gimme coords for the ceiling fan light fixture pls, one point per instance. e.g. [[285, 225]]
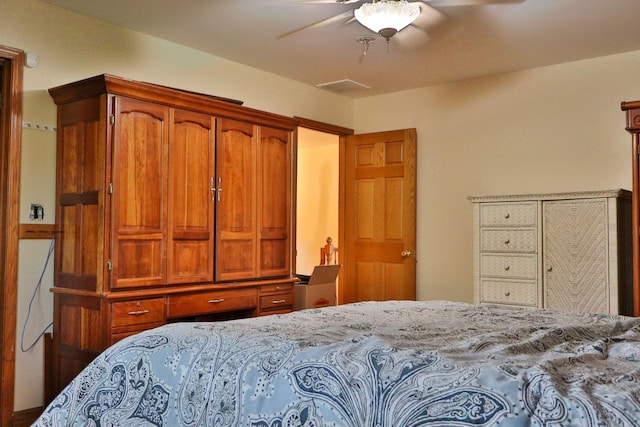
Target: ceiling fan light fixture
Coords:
[[388, 16], [387, 33]]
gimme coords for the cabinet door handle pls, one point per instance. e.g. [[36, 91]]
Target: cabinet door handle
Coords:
[[506, 294], [279, 301], [216, 191], [215, 301], [137, 313]]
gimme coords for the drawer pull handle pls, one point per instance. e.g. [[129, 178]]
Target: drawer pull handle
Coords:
[[507, 268], [549, 268], [506, 294], [506, 216], [215, 301], [279, 301], [137, 313], [506, 242]]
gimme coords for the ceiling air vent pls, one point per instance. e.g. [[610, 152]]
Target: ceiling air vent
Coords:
[[345, 85]]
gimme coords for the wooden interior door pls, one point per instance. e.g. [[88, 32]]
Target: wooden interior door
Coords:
[[378, 246]]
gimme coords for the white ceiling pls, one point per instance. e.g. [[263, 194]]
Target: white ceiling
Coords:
[[462, 41]]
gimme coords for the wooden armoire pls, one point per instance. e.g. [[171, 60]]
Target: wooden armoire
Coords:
[[171, 206], [632, 111]]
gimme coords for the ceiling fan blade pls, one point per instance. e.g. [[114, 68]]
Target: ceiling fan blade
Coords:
[[328, 1], [411, 37], [445, 3], [429, 18], [420, 31], [346, 16]]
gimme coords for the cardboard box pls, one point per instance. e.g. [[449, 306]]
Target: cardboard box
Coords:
[[321, 289]]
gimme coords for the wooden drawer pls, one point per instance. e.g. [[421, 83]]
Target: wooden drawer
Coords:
[[185, 305], [509, 266], [509, 292], [137, 312], [276, 288], [508, 214], [275, 302], [508, 240], [283, 310], [123, 332]]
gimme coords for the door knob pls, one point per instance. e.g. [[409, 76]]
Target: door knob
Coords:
[[405, 253]]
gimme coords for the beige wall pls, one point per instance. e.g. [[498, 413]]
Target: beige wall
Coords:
[[317, 209], [557, 128]]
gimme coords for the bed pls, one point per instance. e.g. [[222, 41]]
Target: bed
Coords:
[[393, 363]]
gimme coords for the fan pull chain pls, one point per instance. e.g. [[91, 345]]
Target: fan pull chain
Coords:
[[365, 41]]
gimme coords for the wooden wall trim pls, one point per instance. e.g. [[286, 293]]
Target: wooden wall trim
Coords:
[[323, 127], [36, 231], [10, 142]]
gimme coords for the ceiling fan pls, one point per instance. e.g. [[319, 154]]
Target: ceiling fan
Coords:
[[389, 17]]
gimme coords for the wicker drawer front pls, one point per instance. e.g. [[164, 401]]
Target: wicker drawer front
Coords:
[[508, 240], [185, 305], [507, 292], [508, 266], [508, 214], [137, 312]]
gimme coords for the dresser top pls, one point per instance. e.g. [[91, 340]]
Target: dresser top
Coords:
[[625, 194]]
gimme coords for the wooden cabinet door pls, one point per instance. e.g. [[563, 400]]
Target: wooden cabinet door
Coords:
[[191, 183], [80, 186], [139, 195], [274, 201], [236, 236]]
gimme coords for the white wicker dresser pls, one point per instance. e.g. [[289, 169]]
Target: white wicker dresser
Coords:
[[565, 251]]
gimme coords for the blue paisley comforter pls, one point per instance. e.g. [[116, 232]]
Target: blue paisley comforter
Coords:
[[386, 364]]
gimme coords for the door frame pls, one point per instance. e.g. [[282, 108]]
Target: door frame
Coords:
[[10, 146], [340, 132]]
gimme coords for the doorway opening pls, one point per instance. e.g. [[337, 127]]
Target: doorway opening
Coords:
[[319, 137], [317, 196]]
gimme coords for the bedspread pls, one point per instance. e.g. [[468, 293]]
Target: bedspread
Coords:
[[394, 363]]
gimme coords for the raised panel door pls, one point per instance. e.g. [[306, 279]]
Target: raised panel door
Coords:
[[236, 234], [80, 168], [191, 166], [139, 196], [380, 213], [274, 201]]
